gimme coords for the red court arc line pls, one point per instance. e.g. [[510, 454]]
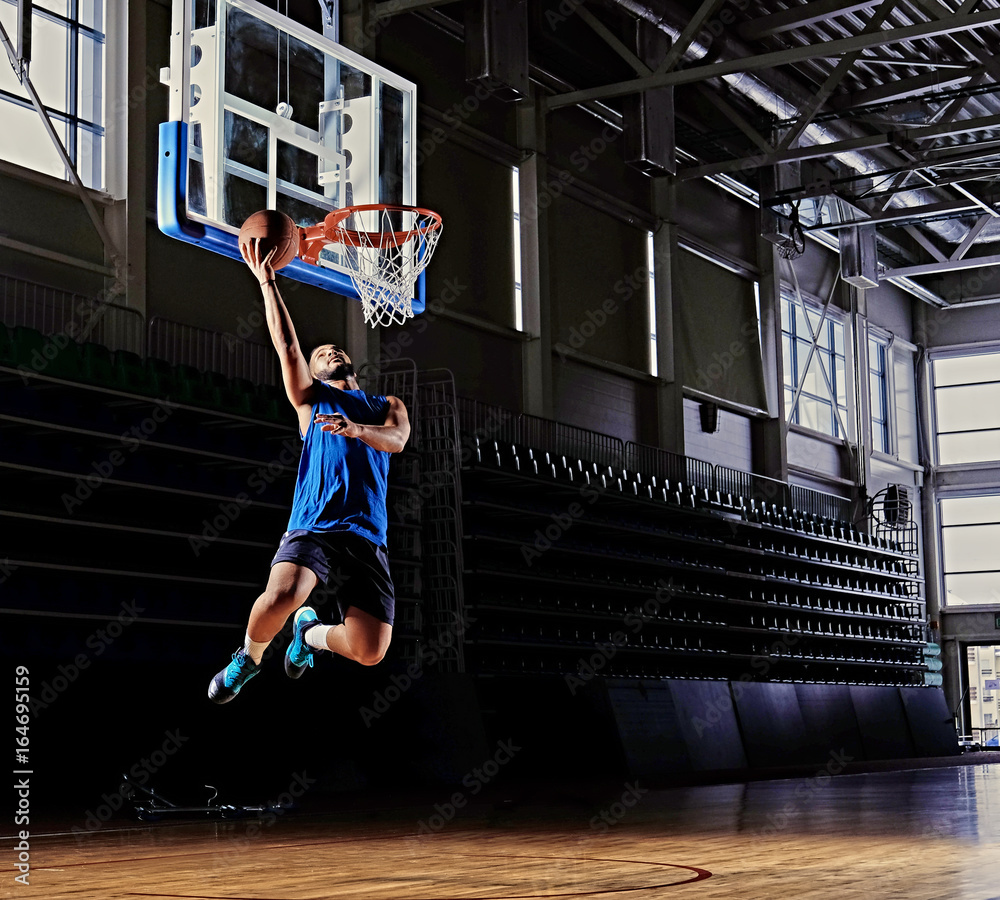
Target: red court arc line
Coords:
[[700, 875]]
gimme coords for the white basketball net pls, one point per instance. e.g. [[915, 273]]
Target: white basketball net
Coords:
[[385, 251]]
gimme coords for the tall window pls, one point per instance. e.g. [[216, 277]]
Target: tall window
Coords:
[[67, 70], [967, 408], [878, 389], [821, 372], [970, 535], [518, 305], [651, 304]]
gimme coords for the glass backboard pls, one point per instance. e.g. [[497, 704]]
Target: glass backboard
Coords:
[[267, 113]]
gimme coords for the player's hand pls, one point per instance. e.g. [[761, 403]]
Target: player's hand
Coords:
[[337, 424], [260, 267]]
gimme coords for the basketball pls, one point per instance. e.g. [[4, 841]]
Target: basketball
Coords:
[[274, 229]]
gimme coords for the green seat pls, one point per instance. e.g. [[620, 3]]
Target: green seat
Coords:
[[6, 346], [165, 380], [131, 374], [56, 356], [98, 365], [238, 395], [199, 390]]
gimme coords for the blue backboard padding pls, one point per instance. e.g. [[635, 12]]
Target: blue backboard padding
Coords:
[[171, 212]]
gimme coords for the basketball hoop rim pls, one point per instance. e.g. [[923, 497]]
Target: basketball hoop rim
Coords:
[[335, 231]]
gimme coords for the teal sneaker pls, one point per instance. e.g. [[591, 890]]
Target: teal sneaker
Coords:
[[299, 656], [228, 682]]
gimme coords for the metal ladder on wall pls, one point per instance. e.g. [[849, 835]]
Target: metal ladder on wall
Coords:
[[440, 502], [405, 535]]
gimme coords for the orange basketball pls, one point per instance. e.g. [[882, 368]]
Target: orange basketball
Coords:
[[274, 229]]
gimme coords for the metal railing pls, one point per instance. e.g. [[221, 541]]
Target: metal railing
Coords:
[[669, 467], [752, 487], [81, 318], [986, 737], [820, 503], [484, 420], [212, 351]]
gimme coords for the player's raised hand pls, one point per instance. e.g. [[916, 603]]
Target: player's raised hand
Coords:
[[337, 424], [260, 267]]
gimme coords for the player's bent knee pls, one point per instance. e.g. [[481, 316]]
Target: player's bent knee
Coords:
[[371, 657]]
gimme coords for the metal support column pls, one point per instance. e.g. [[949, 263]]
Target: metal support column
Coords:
[[670, 384], [535, 296]]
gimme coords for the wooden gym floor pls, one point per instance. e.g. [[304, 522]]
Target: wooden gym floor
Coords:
[[924, 834]]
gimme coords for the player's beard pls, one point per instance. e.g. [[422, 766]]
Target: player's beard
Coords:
[[339, 372]]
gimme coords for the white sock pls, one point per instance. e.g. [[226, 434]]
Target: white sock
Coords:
[[255, 649], [316, 636]]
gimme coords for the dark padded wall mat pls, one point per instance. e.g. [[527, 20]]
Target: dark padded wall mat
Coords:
[[773, 731], [931, 723], [649, 729], [884, 730], [708, 722]]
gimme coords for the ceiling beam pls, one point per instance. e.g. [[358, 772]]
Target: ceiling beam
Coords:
[[690, 32], [897, 215], [609, 38], [949, 265], [924, 242], [388, 8], [903, 88], [807, 112], [904, 136], [948, 25], [797, 16], [970, 238], [730, 113]]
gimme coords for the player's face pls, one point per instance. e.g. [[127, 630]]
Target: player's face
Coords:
[[330, 363]]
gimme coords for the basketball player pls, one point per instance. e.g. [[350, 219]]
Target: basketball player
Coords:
[[338, 520]]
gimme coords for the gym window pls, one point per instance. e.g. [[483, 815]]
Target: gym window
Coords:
[[878, 391], [518, 296], [821, 373], [967, 408], [970, 534], [67, 70]]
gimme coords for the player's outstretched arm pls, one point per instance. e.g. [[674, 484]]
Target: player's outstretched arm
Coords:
[[390, 437], [294, 366]]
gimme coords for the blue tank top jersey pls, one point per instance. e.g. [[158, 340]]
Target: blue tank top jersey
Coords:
[[341, 483]]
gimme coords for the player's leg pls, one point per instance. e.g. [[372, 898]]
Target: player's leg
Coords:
[[360, 637], [367, 611], [288, 587]]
